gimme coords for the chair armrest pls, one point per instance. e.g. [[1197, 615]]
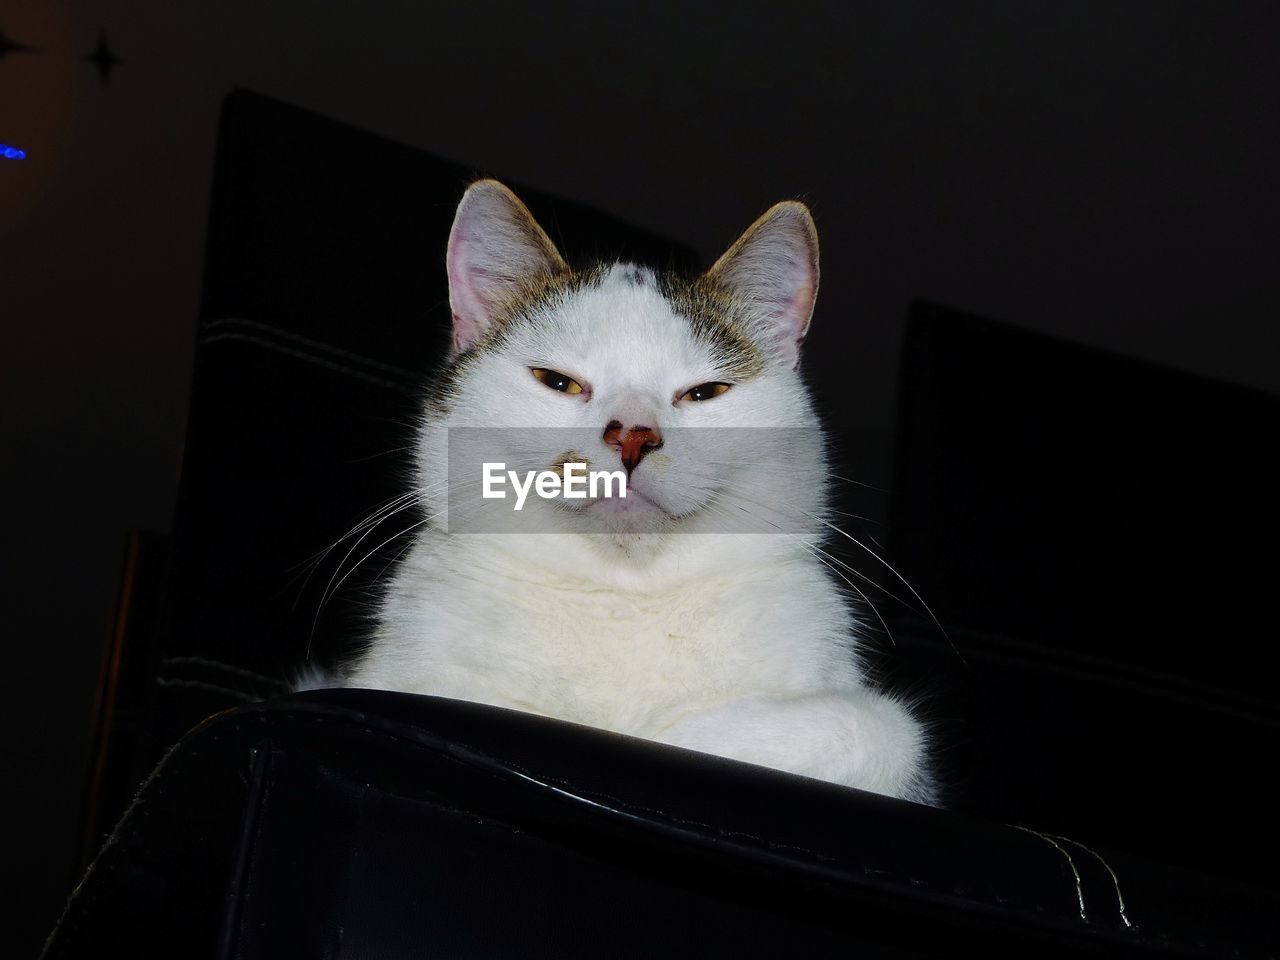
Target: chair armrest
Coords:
[[352, 822]]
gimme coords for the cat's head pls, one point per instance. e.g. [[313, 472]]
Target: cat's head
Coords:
[[688, 386]]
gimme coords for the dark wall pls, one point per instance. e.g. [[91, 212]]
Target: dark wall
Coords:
[[1100, 171]]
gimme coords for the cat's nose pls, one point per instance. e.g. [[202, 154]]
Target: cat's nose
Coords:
[[632, 442]]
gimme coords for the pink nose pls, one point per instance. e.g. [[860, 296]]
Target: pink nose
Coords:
[[632, 442]]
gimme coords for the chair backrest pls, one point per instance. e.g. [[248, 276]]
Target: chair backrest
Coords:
[[1095, 532], [325, 308], [1059, 493]]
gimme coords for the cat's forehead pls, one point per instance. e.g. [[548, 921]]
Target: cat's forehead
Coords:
[[625, 315], [621, 306]]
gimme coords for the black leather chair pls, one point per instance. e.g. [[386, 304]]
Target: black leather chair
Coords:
[[355, 823], [361, 823]]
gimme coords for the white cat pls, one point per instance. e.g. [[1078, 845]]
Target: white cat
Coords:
[[695, 611]]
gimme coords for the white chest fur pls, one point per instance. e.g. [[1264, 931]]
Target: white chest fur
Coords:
[[466, 620]]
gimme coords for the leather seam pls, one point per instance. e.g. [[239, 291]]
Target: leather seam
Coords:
[[228, 668], [312, 343], [310, 358], [244, 696]]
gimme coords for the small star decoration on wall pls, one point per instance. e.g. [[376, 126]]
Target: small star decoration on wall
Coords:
[[103, 58], [8, 46]]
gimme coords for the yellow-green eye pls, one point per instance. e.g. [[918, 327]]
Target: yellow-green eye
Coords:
[[556, 380], [705, 391]]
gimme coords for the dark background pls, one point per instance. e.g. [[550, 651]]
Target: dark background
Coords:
[[1101, 172]]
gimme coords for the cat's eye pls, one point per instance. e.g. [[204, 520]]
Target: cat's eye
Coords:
[[705, 391], [556, 380]]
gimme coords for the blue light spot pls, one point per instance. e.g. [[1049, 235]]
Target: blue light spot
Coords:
[[12, 153]]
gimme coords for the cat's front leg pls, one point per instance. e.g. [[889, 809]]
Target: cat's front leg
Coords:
[[855, 736]]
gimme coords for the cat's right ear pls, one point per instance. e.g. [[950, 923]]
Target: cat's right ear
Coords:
[[496, 251]]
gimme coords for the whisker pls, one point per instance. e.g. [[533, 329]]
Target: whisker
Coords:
[[822, 557], [335, 587], [888, 566], [405, 505], [336, 582], [831, 526], [320, 554]]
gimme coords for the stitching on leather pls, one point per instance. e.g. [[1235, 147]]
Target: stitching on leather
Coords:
[[1070, 863], [242, 695], [228, 668], [234, 932], [1114, 879], [308, 341], [311, 358], [92, 883]]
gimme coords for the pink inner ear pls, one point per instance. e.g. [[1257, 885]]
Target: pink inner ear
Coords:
[[774, 266], [463, 336], [779, 275], [495, 249], [470, 306], [474, 291], [794, 311], [798, 316]]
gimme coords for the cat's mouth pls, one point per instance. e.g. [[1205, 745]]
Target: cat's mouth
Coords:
[[635, 502], [644, 508], [638, 512]]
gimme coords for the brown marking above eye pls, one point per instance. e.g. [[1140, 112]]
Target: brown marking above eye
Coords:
[[704, 391], [560, 382]]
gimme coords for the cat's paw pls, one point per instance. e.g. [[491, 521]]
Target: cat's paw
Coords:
[[855, 737]]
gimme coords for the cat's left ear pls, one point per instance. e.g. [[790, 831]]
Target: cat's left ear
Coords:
[[496, 252], [773, 269]]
